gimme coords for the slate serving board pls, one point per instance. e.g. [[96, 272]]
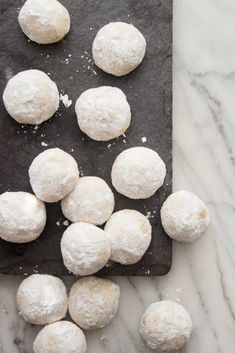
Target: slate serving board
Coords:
[[149, 92]]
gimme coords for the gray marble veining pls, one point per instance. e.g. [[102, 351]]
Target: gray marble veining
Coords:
[[202, 276]]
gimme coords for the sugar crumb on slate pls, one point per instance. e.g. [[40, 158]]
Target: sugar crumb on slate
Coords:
[[144, 139], [65, 100], [44, 144]]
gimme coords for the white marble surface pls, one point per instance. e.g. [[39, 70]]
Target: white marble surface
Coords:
[[202, 276]]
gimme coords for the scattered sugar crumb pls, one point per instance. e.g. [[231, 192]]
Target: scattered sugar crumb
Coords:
[[4, 308], [44, 144], [65, 100], [70, 55], [66, 223], [72, 150], [36, 127], [103, 337], [109, 145], [144, 139], [58, 223], [178, 290], [147, 272], [149, 215], [124, 141], [124, 135]]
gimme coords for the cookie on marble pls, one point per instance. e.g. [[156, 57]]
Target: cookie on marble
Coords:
[[184, 216], [42, 299], [118, 48], [93, 302], [31, 97], [138, 172], [130, 234], [91, 201], [44, 22], [53, 174], [166, 326], [22, 217], [60, 337], [85, 248], [103, 113]]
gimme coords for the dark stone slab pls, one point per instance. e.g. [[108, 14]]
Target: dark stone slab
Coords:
[[149, 92]]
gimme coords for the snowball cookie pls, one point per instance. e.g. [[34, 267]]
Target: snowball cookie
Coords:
[[93, 302], [184, 216], [129, 232], [138, 173], [53, 174], [22, 217], [60, 337], [31, 97], [44, 22], [103, 113], [166, 326], [92, 201], [118, 48], [42, 299], [85, 248]]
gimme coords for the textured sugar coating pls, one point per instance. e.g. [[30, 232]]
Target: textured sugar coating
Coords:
[[91, 201], [60, 337], [44, 23], [53, 174], [103, 113], [31, 97], [42, 299], [184, 216], [118, 48], [129, 232], [138, 172], [22, 217], [93, 302], [166, 326], [85, 248]]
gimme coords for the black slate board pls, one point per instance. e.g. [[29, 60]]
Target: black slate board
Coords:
[[149, 92]]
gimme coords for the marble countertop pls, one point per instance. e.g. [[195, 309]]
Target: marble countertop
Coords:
[[202, 275]]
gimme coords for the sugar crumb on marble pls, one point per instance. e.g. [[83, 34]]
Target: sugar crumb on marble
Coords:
[[103, 337], [66, 223], [4, 308]]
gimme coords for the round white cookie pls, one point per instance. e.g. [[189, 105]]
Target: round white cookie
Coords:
[[93, 302], [44, 22], [53, 174], [31, 97], [85, 248], [118, 48], [129, 232], [60, 337], [91, 201], [138, 173], [103, 113], [22, 217], [184, 216], [166, 326], [42, 299]]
